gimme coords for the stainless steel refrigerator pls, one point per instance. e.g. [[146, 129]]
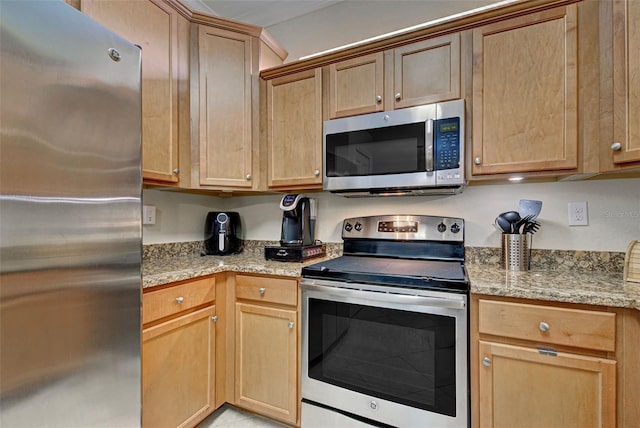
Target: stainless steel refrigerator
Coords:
[[70, 220]]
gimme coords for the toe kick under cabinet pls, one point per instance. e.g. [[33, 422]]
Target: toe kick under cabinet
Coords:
[[537, 364]]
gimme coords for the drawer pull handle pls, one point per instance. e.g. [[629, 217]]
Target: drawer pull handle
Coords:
[[486, 361], [262, 290], [550, 352], [179, 299], [291, 324], [214, 318], [544, 327]]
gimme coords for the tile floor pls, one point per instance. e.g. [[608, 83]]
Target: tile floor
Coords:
[[230, 417]]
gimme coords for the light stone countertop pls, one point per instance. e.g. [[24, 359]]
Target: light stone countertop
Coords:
[[587, 287], [166, 270]]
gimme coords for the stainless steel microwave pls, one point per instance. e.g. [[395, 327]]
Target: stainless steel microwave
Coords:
[[412, 151]]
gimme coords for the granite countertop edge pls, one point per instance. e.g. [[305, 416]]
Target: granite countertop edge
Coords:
[[582, 287]]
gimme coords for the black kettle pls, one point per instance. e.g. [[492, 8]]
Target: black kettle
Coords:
[[222, 233]]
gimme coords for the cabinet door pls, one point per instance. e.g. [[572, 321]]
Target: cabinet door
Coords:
[[356, 85], [225, 108], [626, 81], [522, 387], [153, 25], [266, 361], [525, 93], [178, 375], [426, 72], [294, 130]]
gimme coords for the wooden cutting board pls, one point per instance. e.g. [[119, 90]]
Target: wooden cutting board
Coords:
[[632, 262]]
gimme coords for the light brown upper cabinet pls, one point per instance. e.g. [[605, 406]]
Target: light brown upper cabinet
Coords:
[[227, 57], [424, 72], [525, 93], [225, 105], [294, 130], [625, 147], [418, 73], [356, 86], [158, 28]]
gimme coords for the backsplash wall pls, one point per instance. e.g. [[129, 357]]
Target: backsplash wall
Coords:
[[613, 205]]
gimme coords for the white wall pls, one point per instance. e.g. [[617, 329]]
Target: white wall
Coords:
[[354, 20], [614, 213], [179, 216]]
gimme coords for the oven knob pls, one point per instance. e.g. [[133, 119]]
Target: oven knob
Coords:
[[358, 226], [442, 228], [348, 227], [455, 228]]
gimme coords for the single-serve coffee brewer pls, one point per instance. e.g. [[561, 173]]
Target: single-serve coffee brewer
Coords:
[[297, 235], [296, 221]]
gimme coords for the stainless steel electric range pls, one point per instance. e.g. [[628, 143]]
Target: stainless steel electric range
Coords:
[[385, 326]]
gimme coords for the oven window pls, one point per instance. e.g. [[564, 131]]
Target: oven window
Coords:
[[391, 150], [404, 357]]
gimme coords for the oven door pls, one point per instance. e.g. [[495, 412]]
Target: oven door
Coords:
[[399, 359]]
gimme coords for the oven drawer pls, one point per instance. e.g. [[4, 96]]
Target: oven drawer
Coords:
[[173, 300], [561, 326], [270, 290]]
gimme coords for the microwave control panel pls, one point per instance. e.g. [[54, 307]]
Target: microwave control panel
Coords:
[[447, 143]]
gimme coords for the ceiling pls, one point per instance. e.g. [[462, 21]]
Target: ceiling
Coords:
[[263, 13]]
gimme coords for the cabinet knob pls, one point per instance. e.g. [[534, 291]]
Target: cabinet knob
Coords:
[[214, 318], [616, 146], [291, 324], [544, 327], [248, 177], [486, 361], [261, 290], [179, 299], [398, 96], [477, 160], [316, 172], [378, 98], [176, 171]]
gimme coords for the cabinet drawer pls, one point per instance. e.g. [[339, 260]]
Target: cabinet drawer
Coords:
[[172, 300], [561, 326], [261, 289]]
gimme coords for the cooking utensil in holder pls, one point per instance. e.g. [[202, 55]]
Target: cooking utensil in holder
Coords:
[[515, 252]]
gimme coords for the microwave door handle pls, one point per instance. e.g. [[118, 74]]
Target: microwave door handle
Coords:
[[428, 145]]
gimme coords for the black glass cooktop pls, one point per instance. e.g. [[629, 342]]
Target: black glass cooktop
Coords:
[[438, 274]]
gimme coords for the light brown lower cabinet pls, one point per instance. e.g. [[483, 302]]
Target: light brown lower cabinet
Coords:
[[178, 355], [539, 364], [266, 341], [526, 387]]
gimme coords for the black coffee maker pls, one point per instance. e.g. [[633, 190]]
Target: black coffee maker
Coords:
[[296, 221], [297, 236]]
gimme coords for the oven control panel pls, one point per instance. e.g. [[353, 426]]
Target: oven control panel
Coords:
[[404, 227]]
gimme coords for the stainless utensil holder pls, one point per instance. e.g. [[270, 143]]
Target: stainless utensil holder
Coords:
[[515, 252]]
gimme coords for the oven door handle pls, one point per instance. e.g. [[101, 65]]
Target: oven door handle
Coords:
[[435, 302]]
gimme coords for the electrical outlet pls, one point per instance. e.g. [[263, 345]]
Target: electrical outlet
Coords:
[[578, 214], [148, 214]]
